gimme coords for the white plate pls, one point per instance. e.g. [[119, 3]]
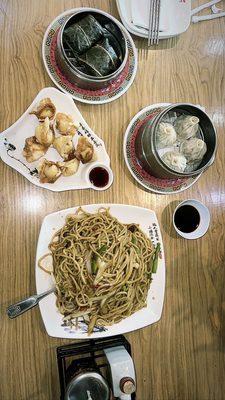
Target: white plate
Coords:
[[112, 92], [127, 214], [179, 18], [25, 126]]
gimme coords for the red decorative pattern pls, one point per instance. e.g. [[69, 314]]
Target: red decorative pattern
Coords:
[[174, 184], [112, 87]]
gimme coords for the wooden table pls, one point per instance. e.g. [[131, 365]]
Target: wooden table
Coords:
[[181, 356]]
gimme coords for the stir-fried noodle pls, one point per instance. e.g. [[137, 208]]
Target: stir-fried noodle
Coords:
[[102, 268]]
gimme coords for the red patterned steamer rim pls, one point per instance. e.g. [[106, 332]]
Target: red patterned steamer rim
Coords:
[[145, 177], [108, 91]]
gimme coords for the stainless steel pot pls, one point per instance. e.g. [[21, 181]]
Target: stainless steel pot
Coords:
[[145, 144], [73, 74], [88, 385]]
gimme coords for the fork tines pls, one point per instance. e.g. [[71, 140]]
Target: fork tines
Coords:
[[154, 13]]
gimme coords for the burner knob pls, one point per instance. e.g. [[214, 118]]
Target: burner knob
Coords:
[[127, 385]]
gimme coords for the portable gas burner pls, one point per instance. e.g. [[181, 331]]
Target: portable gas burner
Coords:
[[97, 369]]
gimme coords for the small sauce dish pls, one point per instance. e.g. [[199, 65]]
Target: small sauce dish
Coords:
[[99, 176], [191, 219]]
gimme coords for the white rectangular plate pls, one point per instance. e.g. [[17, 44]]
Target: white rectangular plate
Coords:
[[53, 320], [12, 141], [178, 17]]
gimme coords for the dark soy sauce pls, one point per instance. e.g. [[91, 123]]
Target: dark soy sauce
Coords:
[[187, 218], [99, 177]]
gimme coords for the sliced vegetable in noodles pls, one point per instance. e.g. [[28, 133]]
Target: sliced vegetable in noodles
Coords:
[[155, 259]]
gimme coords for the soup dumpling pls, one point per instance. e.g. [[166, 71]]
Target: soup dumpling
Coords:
[[175, 161], [165, 135], [186, 126], [193, 149]]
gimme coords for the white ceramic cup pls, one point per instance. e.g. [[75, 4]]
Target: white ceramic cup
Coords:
[[204, 219], [107, 168]]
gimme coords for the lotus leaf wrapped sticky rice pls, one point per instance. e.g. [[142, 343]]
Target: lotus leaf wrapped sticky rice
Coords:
[[83, 34], [100, 60]]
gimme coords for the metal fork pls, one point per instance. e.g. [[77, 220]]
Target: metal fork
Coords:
[[24, 305], [154, 13]]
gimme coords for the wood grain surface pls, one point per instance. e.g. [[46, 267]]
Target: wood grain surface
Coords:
[[182, 356]]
